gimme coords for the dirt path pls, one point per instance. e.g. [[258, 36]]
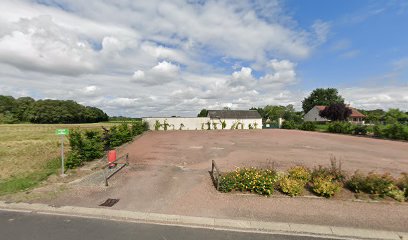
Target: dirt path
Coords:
[[168, 173]]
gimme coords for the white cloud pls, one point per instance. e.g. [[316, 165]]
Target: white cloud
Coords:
[[283, 73], [142, 58], [163, 72], [321, 29]]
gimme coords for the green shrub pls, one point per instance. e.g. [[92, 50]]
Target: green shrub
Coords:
[[138, 127], [255, 180], [92, 146], [340, 127], [325, 186], [395, 131], [299, 173], [396, 194], [334, 171], [403, 183], [73, 160], [373, 183], [291, 186], [289, 124], [360, 130], [223, 124], [157, 125], [308, 126], [356, 182], [377, 131]]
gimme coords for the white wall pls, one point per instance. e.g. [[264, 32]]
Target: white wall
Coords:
[[200, 123], [193, 123], [313, 116]]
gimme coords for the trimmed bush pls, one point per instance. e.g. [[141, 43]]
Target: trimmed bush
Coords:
[[360, 130], [255, 180], [325, 186], [340, 127], [308, 126], [291, 186], [289, 125]]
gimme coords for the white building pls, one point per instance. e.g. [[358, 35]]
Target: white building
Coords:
[[216, 119]]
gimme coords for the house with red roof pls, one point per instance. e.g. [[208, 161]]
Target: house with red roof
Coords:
[[313, 115]]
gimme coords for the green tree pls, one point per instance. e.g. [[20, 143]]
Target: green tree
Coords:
[[22, 108], [321, 96], [203, 113], [373, 116], [7, 104], [394, 115]]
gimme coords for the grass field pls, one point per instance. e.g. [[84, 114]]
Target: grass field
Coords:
[[29, 153]]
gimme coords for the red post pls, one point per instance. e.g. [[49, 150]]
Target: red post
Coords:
[[112, 158]]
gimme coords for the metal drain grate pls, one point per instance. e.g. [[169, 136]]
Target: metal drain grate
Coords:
[[109, 202]]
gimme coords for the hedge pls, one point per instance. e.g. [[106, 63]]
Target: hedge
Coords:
[[91, 144]]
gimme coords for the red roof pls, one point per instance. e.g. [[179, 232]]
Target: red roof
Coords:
[[354, 112]]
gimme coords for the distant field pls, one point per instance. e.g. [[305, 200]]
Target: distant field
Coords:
[[30, 152]]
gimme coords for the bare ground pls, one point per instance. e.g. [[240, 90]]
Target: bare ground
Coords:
[[168, 173]]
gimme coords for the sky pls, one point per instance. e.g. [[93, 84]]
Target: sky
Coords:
[[164, 58]]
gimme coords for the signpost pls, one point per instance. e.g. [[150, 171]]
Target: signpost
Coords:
[[62, 133]]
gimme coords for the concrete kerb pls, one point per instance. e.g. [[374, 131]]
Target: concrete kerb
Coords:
[[211, 223]]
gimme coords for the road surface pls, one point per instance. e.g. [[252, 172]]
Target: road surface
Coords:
[[31, 226]]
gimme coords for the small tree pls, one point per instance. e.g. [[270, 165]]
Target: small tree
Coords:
[[203, 113], [336, 112], [215, 125], [181, 126]]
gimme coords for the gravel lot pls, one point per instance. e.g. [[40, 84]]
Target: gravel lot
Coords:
[[168, 173]]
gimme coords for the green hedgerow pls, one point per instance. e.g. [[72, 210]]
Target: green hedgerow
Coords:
[[289, 124], [291, 186], [308, 126], [325, 186]]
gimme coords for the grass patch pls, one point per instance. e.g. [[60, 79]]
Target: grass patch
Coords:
[[26, 150], [22, 183]]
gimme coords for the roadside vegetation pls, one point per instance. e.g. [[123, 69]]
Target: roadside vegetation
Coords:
[[321, 181], [29, 153], [91, 144]]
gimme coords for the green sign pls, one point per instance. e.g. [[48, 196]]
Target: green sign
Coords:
[[62, 131]]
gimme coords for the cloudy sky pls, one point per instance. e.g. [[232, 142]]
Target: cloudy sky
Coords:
[[151, 58]]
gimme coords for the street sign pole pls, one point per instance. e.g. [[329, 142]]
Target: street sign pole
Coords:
[[62, 133], [62, 156]]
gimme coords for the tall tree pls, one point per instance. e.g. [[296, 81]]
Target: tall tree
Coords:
[[321, 96], [203, 113], [336, 112]]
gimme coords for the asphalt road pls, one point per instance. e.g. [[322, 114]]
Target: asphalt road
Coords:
[[31, 226]]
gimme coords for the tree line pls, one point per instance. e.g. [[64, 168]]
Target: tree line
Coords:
[[26, 109]]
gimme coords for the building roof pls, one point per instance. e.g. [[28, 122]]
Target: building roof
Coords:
[[234, 114], [354, 112]]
